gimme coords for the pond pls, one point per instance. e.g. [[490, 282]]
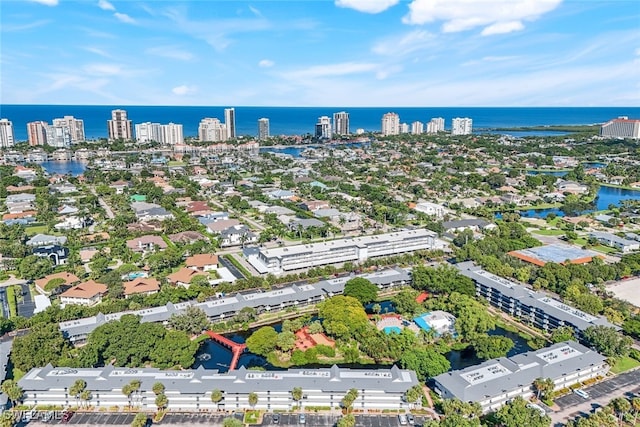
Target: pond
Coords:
[[73, 168]]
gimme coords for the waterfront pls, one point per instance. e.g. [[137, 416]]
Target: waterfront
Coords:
[[72, 167]]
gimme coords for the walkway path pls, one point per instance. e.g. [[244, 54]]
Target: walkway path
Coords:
[[236, 348]]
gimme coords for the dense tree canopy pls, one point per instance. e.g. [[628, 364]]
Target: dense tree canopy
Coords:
[[343, 316], [608, 341], [361, 289], [425, 361], [490, 347], [42, 345], [517, 414], [263, 341]]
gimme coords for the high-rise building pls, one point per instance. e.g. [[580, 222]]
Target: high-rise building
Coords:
[[148, 132], [37, 133], [435, 125], [6, 133], [76, 127], [230, 122], [461, 126], [323, 127], [263, 128], [172, 134], [119, 126], [211, 129], [417, 128], [341, 123], [390, 124], [58, 136], [622, 127]]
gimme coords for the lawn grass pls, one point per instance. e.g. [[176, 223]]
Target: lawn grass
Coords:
[[624, 364], [548, 232], [11, 300], [237, 265], [36, 229], [251, 417], [176, 163]]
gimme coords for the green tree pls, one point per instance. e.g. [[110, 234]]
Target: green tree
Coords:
[[621, 406], [426, 362], [140, 420], [43, 344], [516, 413], [361, 289], [544, 387], [77, 388], [414, 394], [158, 388], [286, 341], [348, 399], [562, 334], [296, 395], [347, 420], [86, 396], [608, 341], [491, 347], [343, 316], [253, 399], [193, 321], [216, 396], [13, 391], [162, 401], [263, 341], [33, 267], [405, 302]]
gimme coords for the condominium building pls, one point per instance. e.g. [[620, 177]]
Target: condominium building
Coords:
[[461, 126], [76, 127], [494, 382], [263, 129], [323, 127], [191, 389], [58, 136], [622, 127], [341, 123], [358, 249], [119, 126], [37, 133], [417, 128], [435, 125], [226, 306], [148, 132], [230, 122], [390, 124], [6, 133], [211, 129], [404, 128], [538, 308], [172, 134]]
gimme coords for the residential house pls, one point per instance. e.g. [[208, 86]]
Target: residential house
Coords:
[[150, 212], [280, 195], [572, 187], [146, 243], [186, 237], [202, 262], [56, 253], [620, 243], [184, 276], [141, 285], [69, 279], [217, 227], [431, 209], [86, 293], [314, 205], [120, 186], [45, 240], [63, 188], [237, 235], [475, 225]]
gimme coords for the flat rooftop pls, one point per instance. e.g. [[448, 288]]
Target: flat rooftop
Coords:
[[557, 253]]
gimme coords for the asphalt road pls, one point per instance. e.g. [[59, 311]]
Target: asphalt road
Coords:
[[600, 395], [27, 306], [232, 268], [3, 301]]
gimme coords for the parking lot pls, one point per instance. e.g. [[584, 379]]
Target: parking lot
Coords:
[[189, 419], [600, 395]]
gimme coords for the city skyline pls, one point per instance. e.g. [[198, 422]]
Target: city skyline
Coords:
[[422, 53]]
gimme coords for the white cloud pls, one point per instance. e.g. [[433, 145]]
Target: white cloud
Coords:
[[367, 6], [123, 17], [404, 44], [331, 70], [255, 11], [98, 51], [495, 16], [266, 63], [46, 2], [183, 90], [171, 52], [106, 5], [502, 28], [7, 28], [99, 69]]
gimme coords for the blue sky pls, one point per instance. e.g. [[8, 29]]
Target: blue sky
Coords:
[[321, 52]]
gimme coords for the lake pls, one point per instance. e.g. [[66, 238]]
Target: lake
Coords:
[[73, 167], [296, 150], [606, 196]]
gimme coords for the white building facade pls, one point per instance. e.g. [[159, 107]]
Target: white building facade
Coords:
[[435, 125], [211, 129], [6, 133], [75, 126], [230, 122], [341, 123], [323, 127], [622, 127], [119, 127], [461, 126], [390, 124], [263, 129], [417, 128]]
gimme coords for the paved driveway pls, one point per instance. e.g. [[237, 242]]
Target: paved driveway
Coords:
[[600, 394]]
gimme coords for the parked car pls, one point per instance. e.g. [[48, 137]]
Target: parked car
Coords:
[[402, 419], [66, 416], [302, 419], [581, 393], [276, 418], [410, 419]]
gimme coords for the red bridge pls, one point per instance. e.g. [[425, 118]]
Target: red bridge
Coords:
[[236, 349]]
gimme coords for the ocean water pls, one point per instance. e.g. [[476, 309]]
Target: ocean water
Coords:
[[301, 120]]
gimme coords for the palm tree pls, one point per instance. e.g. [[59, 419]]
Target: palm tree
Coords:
[[635, 405], [86, 396], [135, 386], [544, 387], [127, 390], [296, 394], [621, 405], [216, 396], [161, 401], [158, 388], [13, 391], [253, 399], [77, 388]]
